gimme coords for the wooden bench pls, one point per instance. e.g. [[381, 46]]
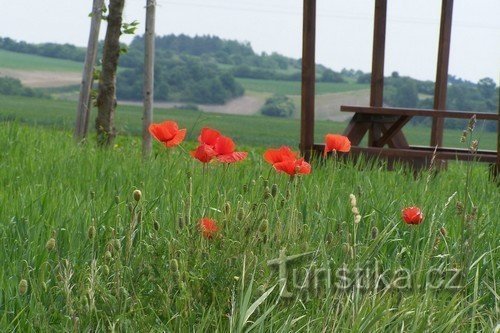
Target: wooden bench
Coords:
[[384, 125]]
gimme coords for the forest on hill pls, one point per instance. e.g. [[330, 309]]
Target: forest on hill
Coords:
[[206, 69]]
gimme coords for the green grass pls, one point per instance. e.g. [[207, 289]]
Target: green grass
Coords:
[[293, 87], [247, 130], [115, 264], [21, 61]]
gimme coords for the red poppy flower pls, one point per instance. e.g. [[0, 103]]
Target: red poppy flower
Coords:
[[208, 136], [208, 227], [204, 153], [281, 154], [167, 133], [214, 145], [412, 215], [335, 142], [224, 147], [293, 167]]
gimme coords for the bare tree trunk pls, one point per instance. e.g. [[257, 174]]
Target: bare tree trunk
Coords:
[[83, 110], [106, 100], [149, 64]]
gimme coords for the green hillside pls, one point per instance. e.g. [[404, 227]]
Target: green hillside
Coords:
[[248, 130], [22, 61]]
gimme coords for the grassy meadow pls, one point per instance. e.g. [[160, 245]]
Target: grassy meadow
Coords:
[[79, 253], [293, 87], [22, 61], [257, 130]]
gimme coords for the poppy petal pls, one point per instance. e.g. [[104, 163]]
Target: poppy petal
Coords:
[[224, 145], [178, 138], [281, 154], [203, 153], [209, 136], [232, 157], [337, 142]]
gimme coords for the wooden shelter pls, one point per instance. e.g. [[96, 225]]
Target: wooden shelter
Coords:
[[383, 125]]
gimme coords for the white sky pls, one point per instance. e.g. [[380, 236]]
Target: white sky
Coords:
[[344, 29]]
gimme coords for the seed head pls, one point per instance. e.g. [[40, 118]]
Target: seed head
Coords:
[[443, 231], [264, 225], [274, 190], [227, 208], [156, 225], [91, 232], [51, 244], [374, 232], [241, 214], [23, 287], [267, 193], [174, 266], [137, 195]]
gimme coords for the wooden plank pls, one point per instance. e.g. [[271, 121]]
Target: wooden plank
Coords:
[[441, 84], [355, 131], [308, 78], [392, 131], [378, 54], [418, 112], [411, 153]]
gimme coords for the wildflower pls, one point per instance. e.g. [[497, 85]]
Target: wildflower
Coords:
[[215, 145], [412, 215], [167, 133], [208, 227], [273, 156], [204, 153], [336, 142], [285, 160]]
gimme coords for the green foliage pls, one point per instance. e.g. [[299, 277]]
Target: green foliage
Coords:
[[278, 106], [331, 76], [116, 264], [13, 87], [293, 87], [51, 50]]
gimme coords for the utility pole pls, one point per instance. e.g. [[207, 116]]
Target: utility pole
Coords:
[[83, 109], [149, 64]]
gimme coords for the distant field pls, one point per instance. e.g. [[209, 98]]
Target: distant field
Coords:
[[14, 60], [293, 87], [247, 130]]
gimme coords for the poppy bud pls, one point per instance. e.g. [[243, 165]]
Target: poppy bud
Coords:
[[91, 232], [329, 237], [227, 208], [156, 225], [267, 193], [264, 225], [23, 287], [174, 266], [241, 214], [443, 231], [137, 195], [51, 244], [374, 232]]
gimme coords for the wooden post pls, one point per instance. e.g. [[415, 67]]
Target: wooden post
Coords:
[[441, 84], [83, 109], [378, 54], [308, 78], [149, 61]]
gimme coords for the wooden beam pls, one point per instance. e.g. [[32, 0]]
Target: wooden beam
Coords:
[[392, 131], [308, 78], [441, 84], [378, 54], [418, 112]]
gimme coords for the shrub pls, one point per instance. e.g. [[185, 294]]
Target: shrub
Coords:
[[278, 106]]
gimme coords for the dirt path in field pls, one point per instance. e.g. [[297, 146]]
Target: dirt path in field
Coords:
[[42, 79]]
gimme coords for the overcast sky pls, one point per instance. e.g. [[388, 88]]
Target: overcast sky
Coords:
[[344, 29]]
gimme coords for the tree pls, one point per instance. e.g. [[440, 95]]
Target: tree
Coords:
[[331, 76], [278, 106], [106, 99]]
